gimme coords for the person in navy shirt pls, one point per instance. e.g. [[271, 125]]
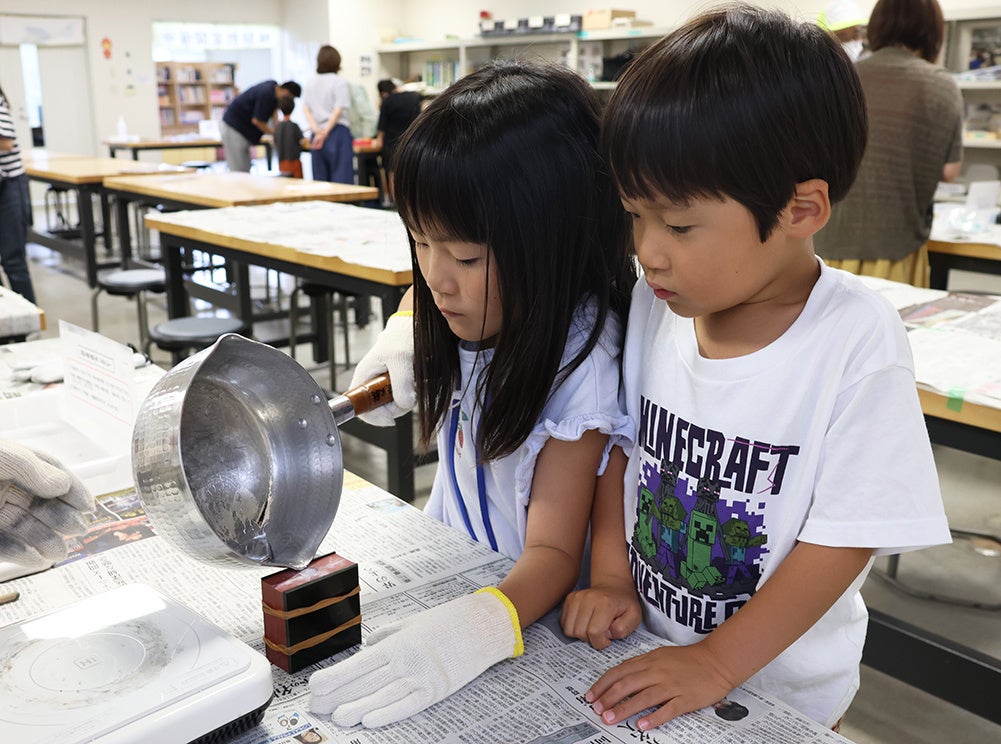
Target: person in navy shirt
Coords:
[[248, 117]]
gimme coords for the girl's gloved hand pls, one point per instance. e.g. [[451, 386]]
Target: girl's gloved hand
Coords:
[[409, 665], [41, 503], [393, 352]]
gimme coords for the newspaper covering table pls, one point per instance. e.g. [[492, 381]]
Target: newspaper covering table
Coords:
[[955, 338], [407, 562]]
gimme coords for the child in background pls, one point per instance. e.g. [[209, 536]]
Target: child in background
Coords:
[[781, 443], [521, 282], [288, 140]]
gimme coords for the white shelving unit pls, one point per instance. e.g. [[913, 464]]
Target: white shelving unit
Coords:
[[962, 30], [457, 57], [977, 143]]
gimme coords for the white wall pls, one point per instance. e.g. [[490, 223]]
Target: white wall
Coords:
[[128, 24], [353, 26], [355, 30]]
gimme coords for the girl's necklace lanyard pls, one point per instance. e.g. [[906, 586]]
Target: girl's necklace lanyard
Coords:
[[481, 487]]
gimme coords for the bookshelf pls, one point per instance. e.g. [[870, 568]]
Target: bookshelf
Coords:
[[188, 92]]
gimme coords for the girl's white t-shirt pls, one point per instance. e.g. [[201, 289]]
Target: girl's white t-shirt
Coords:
[[818, 437], [587, 399]]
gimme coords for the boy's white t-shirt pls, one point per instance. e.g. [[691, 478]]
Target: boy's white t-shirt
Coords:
[[818, 437], [587, 399]]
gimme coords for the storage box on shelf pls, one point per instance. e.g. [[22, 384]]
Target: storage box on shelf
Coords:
[[188, 92], [596, 20]]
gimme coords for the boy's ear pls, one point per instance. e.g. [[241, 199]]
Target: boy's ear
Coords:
[[810, 208]]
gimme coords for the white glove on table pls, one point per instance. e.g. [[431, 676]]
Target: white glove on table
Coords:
[[392, 352], [40, 503], [408, 665], [54, 370]]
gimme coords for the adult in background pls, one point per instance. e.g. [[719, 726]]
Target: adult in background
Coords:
[[15, 207], [915, 114], [326, 103], [248, 118], [845, 19], [398, 109]]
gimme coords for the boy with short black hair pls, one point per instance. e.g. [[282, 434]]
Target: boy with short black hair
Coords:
[[288, 139], [781, 443]]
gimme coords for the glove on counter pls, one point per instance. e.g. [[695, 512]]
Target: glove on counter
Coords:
[[408, 665], [392, 352], [40, 503]]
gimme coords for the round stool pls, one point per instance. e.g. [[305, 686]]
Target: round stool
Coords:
[[130, 283], [197, 164], [179, 335]]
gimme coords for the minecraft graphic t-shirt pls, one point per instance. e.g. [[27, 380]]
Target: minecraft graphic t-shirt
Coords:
[[817, 437]]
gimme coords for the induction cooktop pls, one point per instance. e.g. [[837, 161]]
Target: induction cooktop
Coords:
[[127, 665]]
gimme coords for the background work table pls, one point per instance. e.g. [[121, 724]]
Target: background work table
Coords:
[[212, 189], [83, 176], [956, 342], [349, 249]]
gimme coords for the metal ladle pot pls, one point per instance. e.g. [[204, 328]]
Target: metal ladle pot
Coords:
[[236, 454]]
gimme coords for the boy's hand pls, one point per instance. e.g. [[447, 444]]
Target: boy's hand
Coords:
[[601, 614], [679, 679]]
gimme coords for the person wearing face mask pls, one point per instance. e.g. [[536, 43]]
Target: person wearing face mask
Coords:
[[846, 21], [915, 112]]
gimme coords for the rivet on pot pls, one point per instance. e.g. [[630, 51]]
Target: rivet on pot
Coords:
[[316, 400], [331, 440], [303, 423]]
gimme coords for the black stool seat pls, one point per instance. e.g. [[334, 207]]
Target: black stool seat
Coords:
[[199, 164], [193, 332], [130, 281]]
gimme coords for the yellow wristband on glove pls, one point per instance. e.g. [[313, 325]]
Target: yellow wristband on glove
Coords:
[[519, 643]]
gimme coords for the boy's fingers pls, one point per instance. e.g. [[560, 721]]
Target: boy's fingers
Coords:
[[624, 624], [670, 710], [598, 634], [631, 706], [568, 617], [604, 684]]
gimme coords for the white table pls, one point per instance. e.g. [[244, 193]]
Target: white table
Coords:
[[407, 562]]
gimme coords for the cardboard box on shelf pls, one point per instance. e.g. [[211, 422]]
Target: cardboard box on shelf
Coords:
[[597, 20]]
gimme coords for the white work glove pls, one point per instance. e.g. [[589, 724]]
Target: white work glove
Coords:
[[54, 370], [393, 352], [408, 665], [40, 504]]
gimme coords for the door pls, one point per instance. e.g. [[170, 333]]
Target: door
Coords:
[[12, 82], [66, 105]]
